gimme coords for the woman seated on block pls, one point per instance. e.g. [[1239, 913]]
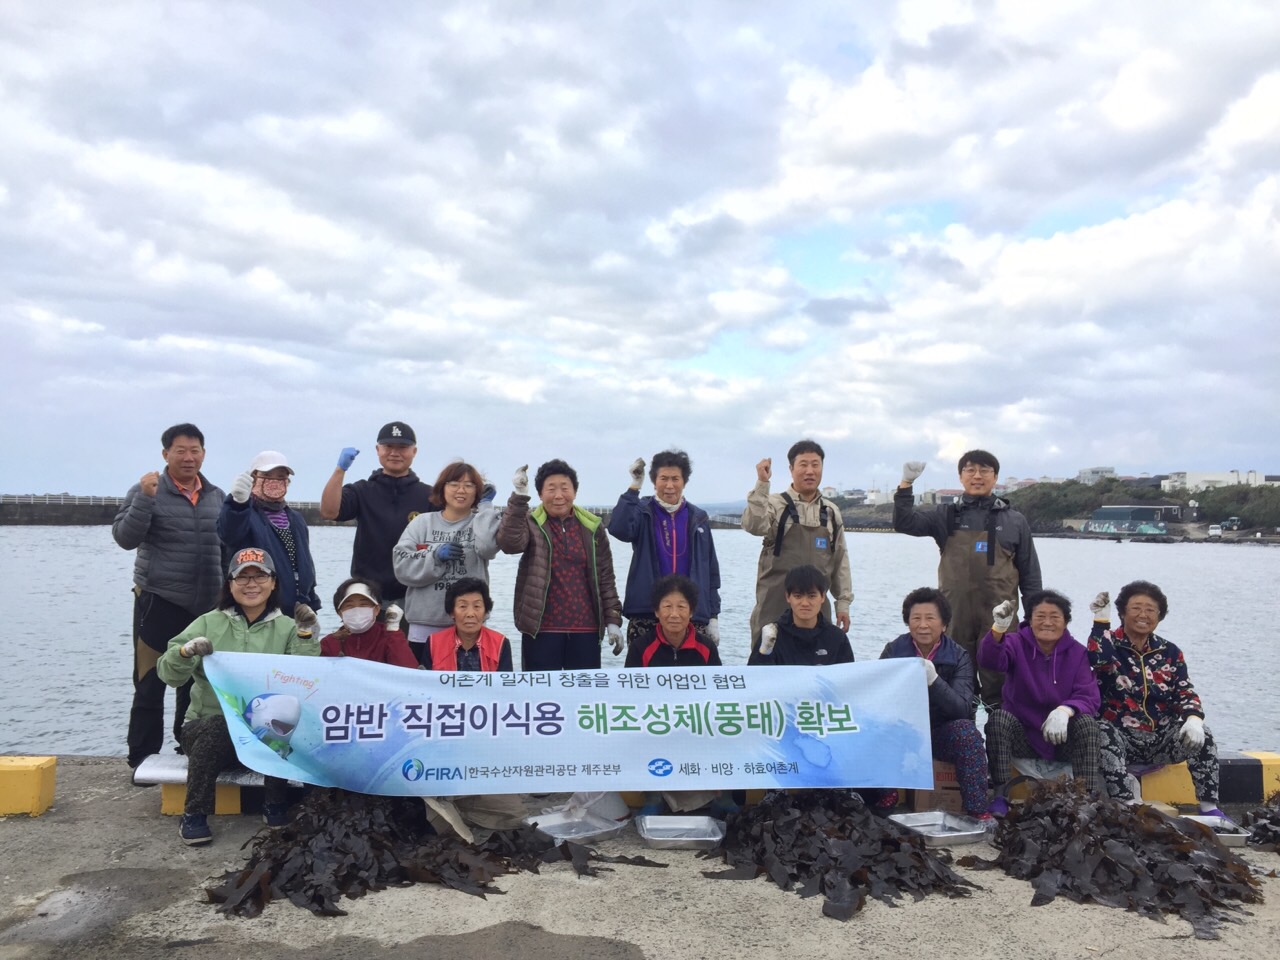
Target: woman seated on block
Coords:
[[248, 620], [673, 640], [803, 637], [1050, 696], [362, 634], [949, 673], [1150, 711], [469, 644]]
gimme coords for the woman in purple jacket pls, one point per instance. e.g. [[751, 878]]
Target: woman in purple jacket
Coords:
[[1050, 696]]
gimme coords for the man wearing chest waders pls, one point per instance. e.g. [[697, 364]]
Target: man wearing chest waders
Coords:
[[799, 527], [988, 555]]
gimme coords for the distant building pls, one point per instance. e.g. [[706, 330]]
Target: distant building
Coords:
[[1141, 518], [1193, 480], [1092, 475]]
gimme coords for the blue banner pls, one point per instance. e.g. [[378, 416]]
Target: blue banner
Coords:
[[380, 729]]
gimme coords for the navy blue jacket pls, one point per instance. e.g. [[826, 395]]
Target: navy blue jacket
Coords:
[[241, 525], [951, 695], [632, 522]]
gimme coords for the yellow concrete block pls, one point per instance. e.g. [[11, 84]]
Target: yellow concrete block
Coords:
[[633, 799], [26, 784], [1171, 784], [1270, 771], [173, 798]]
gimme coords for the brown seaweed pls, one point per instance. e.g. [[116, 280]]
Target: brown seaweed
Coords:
[[344, 844], [827, 842], [1071, 843], [1264, 825]]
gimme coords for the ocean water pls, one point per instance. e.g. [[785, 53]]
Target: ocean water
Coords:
[[65, 632]]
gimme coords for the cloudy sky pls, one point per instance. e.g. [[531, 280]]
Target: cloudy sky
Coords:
[[595, 230]]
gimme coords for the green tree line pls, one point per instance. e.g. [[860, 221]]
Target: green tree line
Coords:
[[1046, 505]]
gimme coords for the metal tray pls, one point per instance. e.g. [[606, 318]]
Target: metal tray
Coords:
[[683, 833], [579, 827], [941, 829], [1230, 833]]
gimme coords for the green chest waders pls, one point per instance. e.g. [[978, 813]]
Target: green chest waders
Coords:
[[975, 574], [792, 545]]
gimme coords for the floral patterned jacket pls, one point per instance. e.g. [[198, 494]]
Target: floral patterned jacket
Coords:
[[1141, 691]]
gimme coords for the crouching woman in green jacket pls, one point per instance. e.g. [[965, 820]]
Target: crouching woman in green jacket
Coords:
[[248, 620]]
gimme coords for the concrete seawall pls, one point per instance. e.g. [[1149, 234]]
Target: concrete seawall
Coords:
[[103, 875], [71, 511]]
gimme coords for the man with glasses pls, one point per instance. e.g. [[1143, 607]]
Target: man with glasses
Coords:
[[381, 506], [988, 555], [171, 518]]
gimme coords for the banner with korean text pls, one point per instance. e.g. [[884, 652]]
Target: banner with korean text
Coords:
[[381, 729]]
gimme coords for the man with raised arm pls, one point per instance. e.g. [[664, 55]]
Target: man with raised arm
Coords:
[[988, 555], [381, 506], [799, 527], [170, 517]]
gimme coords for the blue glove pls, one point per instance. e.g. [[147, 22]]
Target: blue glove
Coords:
[[448, 551], [347, 457], [489, 492]]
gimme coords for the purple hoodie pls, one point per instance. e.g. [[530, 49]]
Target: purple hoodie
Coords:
[[1034, 684]]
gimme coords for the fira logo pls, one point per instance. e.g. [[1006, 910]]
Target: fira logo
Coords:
[[414, 770], [660, 767]]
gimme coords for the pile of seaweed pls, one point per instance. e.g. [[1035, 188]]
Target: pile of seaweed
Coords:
[[1072, 843], [344, 844], [1264, 825], [827, 842]]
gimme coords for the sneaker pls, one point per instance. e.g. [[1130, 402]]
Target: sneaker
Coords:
[[275, 814], [1212, 812], [888, 801], [986, 819], [998, 807], [194, 829]]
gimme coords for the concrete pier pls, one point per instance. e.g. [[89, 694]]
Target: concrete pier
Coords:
[[103, 874]]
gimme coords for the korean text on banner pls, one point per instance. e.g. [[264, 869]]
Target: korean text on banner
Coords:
[[381, 729]]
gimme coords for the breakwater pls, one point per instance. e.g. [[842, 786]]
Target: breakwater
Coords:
[[66, 510]]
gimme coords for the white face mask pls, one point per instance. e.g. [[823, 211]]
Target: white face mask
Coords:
[[359, 619]]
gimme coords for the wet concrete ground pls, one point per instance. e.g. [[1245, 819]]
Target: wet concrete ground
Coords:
[[102, 874]]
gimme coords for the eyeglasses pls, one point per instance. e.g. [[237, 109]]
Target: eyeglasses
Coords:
[[243, 578], [460, 484], [972, 471]]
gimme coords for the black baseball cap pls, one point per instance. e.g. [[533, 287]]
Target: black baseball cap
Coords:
[[397, 433]]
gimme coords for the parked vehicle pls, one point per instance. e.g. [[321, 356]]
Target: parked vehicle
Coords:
[[1215, 531], [1232, 523]]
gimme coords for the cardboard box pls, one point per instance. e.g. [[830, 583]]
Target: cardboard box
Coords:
[[945, 794]]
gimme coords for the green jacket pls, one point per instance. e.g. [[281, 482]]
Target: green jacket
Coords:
[[227, 631]]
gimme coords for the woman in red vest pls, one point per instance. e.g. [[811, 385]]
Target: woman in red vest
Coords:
[[469, 644]]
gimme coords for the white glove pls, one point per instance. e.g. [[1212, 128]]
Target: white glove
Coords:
[[242, 487], [1099, 606], [1002, 617], [520, 482], [202, 647], [930, 671], [637, 473], [614, 633], [768, 637], [713, 631], [394, 616], [1193, 733], [305, 618], [1054, 727], [912, 469]]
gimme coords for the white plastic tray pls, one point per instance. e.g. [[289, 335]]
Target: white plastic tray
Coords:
[[941, 829], [580, 827], [685, 833]]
